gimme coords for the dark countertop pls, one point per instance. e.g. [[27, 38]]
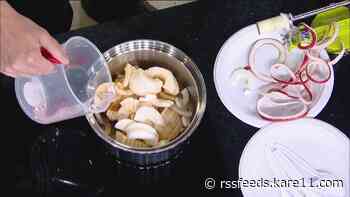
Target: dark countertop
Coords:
[[199, 29]]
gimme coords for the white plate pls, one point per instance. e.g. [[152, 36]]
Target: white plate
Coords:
[[323, 146], [234, 54]]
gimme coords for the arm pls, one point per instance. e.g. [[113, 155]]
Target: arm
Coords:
[[20, 42]]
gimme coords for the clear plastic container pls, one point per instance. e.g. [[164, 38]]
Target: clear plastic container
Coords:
[[69, 91]]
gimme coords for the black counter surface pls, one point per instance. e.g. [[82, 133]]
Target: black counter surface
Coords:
[[49, 157]]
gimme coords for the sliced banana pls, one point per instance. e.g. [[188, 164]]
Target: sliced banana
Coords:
[[183, 99], [123, 124], [104, 94], [183, 106], [119, 79], [121, 90], [108, 128], [141, 84], [152, 100], [130, 103], [172, 127], [166, 96], [122, 138], [129, 69], [128, 107], [148, 115], [163, 142], [143, 132], [171, 85], [185, 121], [137, 130], [182, 111], [112, 111], [140, 96]]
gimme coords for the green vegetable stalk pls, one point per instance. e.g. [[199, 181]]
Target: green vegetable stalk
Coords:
[[321, 24], [339, 15]]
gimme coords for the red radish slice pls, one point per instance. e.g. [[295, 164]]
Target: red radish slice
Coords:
[[313, 38], [277, 106], [260, 43]]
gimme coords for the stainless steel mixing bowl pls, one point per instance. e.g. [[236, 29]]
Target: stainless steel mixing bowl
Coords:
[[147, 53]]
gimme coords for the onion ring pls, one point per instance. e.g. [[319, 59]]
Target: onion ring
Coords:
[[279, 102], [292, 78], [318, 63], [313, 37], [291, 90], [262, 42]]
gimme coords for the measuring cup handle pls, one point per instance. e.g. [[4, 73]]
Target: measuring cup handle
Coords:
[[46, 54]]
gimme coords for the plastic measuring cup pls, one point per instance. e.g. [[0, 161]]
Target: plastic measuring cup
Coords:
[[69, 91]]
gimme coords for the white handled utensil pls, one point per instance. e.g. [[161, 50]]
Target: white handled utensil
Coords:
[[293, 167]]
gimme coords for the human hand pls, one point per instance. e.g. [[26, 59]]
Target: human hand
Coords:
[[21, 41]]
